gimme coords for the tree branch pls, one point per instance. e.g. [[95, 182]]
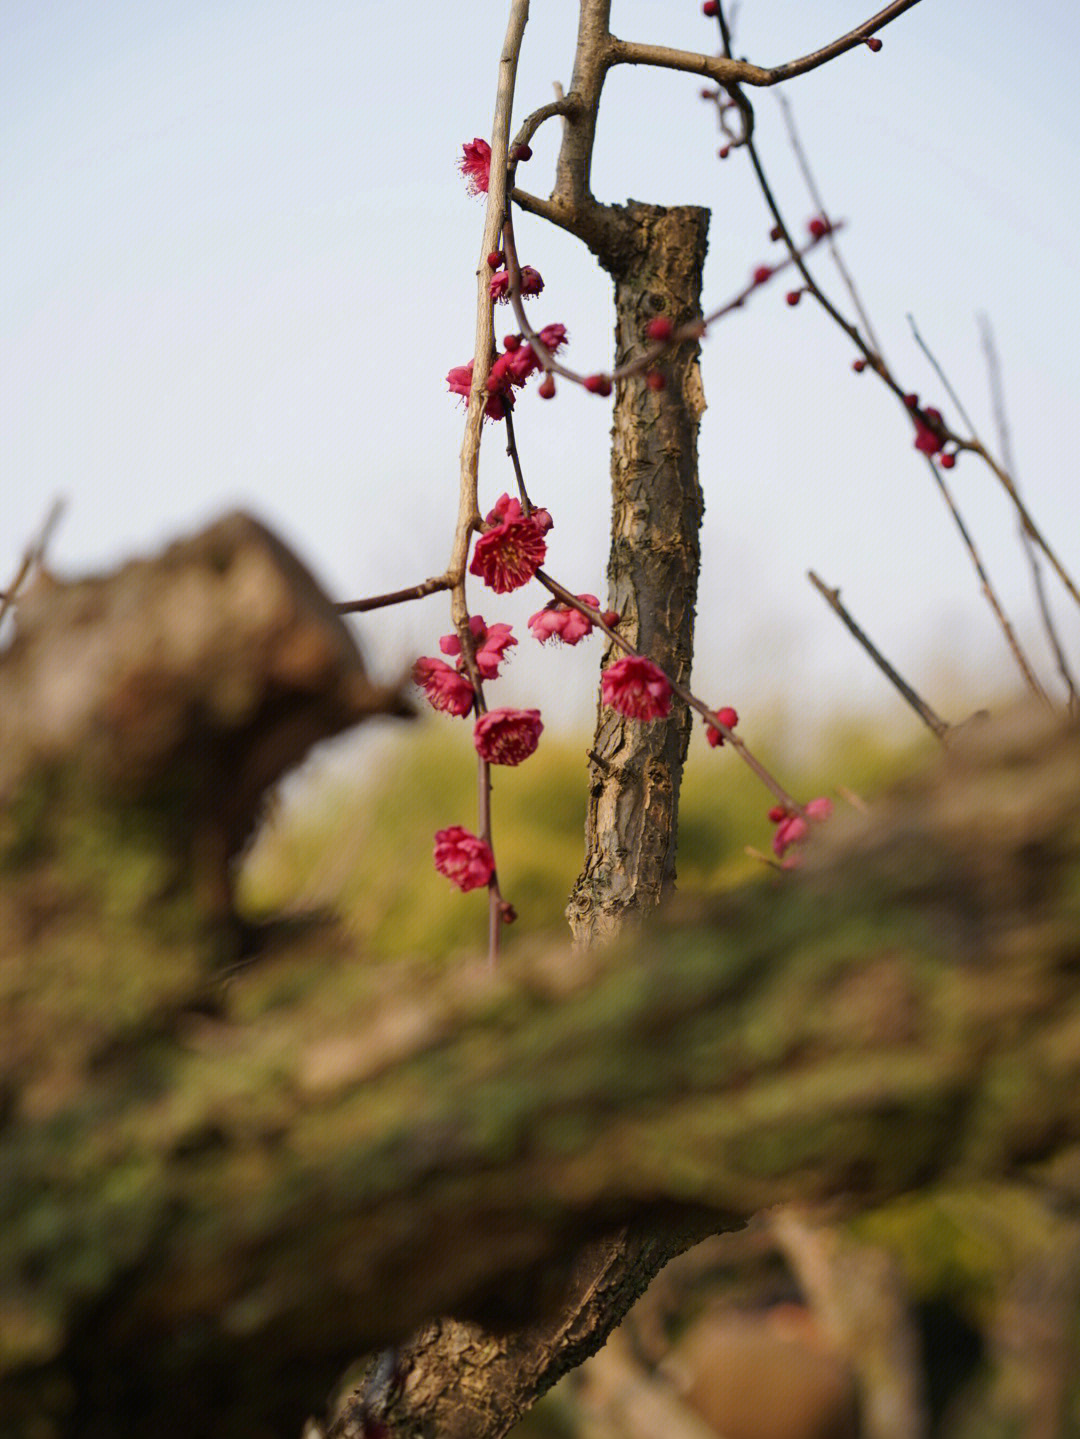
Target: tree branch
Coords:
[[726, 71]]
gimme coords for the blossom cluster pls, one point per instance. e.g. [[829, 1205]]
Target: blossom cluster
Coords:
[[509, 370], [930, 432], [792, 827], [511, 547]]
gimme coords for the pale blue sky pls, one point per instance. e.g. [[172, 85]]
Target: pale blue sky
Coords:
[[237, 262]]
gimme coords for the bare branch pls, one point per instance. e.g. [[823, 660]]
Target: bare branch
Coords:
[[831, 229], [32, 556], [976, 446], [726, 71], [997, 399], [932, 721], [396, 597]]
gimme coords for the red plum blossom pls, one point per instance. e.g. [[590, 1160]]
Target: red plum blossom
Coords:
[[507, 736], [464, 859], [637, 688]]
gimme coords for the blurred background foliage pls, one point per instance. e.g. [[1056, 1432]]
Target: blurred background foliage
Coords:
[[354, 832]]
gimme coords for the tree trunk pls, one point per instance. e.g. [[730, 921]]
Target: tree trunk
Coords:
[[655, 257]]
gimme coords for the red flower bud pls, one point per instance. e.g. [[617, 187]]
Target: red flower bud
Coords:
[[762, 273], [496, 260], [819, 227], [611, 618], [793, 297], [947, 462], [546, 387], [659, 328], [521, 152], [912, 401], [511, 342], [711, 7], [598, 384], [858, 365], [776, 233], [873, 43], [724, 151]]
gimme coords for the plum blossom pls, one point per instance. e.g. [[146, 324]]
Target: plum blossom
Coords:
[[475, 165], [727, 717], [531, 283], [463, 858], [507, 555], [519, 360], [445, 688], [490, 641], [791, 828], [558, 621], [507, 736], [926, 438], [500, 399], [637, 688]]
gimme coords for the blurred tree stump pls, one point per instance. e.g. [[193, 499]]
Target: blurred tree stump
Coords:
[[232, 1161]]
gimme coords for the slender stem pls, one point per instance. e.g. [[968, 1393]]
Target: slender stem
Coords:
[[997, 400], [877, 363], [976, 446], [562, 105], [932, 721], [468, 518], [32, 555], [468, 507], [396, 597], [943, 377], [515, 460], [988, 590], [831, 232], [726, 70]]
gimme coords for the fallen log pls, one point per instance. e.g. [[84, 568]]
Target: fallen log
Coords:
[[231, 1160]]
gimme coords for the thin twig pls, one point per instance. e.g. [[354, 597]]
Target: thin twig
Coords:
[[877, 362], [468, 508], [1030, 678], [953, 396], [932, 721], [1001, 422], [32, 555], [396, 597], [515, 460], [726, 70], [976, 446], [831, 229]]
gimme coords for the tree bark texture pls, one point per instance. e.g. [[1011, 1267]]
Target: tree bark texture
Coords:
[[232, 1160], [655, 256]]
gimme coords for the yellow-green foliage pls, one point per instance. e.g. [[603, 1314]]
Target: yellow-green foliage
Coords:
[[363, 847]]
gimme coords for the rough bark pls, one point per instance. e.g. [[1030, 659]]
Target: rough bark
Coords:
[[218, 1184], [655, 257]]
